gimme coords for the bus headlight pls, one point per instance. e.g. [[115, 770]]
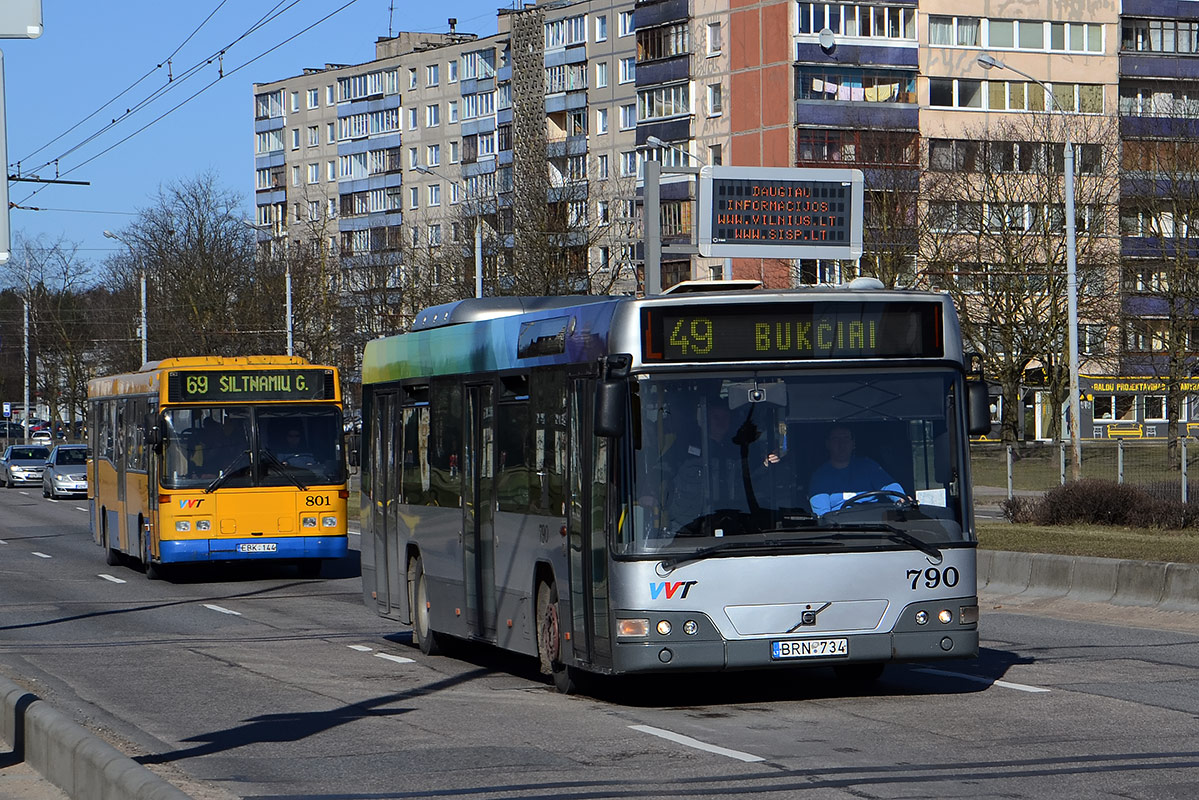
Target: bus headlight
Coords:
[[921, 617], [204, 525], [664, 627], [632, 627], [308, 522], [690, 627], [329, 522], [183, 525], [945, 616]]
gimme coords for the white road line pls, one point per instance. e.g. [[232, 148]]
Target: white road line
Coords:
[[397, 659], [1020, 687], [51, 500], [687, 741], [84, 510], [361, 648], [111, 578], [3, 542], [40, 555], [221, 609]]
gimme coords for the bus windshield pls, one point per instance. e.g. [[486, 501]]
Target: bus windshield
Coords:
[[278, 445], [820, 460]]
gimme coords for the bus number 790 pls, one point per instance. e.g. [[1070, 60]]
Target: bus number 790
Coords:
[[934, 577]]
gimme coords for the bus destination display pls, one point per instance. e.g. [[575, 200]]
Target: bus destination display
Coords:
[[791, 213], [246, 385], [794, 332]]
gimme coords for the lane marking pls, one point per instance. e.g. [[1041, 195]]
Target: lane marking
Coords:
[[84, 510], [1020, 687], [361, 648], [112, 578], [221, 609], [41, 555], [3, 542], [397, 659], [687, 741]]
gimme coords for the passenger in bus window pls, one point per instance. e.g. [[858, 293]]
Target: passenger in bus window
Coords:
[[845, 474], [293, 450]]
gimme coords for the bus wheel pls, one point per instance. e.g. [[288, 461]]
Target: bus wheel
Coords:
[[154, 571], [549, 640], [422, 633], [861, 675], [111, 557]]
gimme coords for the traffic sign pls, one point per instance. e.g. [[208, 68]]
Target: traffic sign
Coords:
[[7, 410]]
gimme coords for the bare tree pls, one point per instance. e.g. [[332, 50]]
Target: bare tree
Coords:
[[994, 238], [208, 295]]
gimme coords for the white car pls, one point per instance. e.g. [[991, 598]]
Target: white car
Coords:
[[23, 463], [66, 471]]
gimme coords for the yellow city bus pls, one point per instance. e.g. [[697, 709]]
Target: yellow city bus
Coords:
[[207, 459]]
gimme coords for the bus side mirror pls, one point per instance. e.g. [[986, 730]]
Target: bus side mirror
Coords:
[[978, 408], [611, 396], [153, 433], [352, 445]]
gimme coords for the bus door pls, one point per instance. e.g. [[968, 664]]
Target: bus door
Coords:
[[383, 496], [479, 503], [126, 533], [590, 468]]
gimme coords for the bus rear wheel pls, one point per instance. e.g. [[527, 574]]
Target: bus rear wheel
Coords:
[[111, 557], [424, 636], [549, 640]]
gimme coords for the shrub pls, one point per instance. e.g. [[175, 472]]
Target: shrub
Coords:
[[1098, 502]]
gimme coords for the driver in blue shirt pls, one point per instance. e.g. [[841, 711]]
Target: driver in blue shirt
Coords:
[[846, 475]]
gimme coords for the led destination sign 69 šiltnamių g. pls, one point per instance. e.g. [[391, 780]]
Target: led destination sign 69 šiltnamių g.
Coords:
[[242, 385], [794, 331]]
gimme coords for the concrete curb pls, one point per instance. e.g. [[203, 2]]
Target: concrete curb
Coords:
[[1172, 587], [79, 763]]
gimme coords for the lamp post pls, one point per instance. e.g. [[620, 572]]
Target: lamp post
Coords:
[[653, 220], [288, 317], [142, 269], [478, 230], [988, 62]]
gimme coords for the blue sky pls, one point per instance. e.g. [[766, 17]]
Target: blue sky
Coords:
[[92, 51]]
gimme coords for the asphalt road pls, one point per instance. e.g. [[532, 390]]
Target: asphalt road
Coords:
[[258, 683]]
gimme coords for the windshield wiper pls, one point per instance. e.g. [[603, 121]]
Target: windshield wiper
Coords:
[[897, 535], [706, 552], [286, 470], [226, 473]]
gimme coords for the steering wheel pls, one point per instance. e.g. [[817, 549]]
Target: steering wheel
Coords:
[[898, 498]]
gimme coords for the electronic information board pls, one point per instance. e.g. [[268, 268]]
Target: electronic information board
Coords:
[[780, 212]]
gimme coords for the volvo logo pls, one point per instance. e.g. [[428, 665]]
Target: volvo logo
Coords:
[[808, 617]]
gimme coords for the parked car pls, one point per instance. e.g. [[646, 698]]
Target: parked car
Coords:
[[66, 471], [23, 463]]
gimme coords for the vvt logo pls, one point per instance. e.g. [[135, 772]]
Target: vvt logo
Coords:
[[191, 503], [656, 590]]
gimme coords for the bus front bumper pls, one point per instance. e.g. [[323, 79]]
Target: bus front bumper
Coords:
[[291, 547]]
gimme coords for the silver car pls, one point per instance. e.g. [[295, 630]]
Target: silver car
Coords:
[[23, 463], [66, 471]]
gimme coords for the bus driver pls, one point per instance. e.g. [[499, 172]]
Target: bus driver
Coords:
[[845, 475]]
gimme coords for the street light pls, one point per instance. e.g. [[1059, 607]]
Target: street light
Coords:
[[287, 319], [478, 230], [988, 62], [142, 266]]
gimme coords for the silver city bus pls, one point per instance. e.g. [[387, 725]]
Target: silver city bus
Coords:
[[694, 482]]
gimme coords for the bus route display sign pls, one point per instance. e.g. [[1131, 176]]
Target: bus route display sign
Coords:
[[779, 212], [246, 385], [794, 332]]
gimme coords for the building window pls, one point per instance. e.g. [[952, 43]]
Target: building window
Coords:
[[452, 110], [454, 154], [715, 155], [451, 69], [412, 77], [664, 41], [295, 138], [314, 135], [663, 102], [314, 173], [435, 194], [715, 39], [433, 155], [601, 166], [876, 22], [295, 175], [601, 28], [330, 170], [330, 95], [314, 98], [412, 117], [629, 163], [331, 132], [413, 158], [432, 116], [857, 85], [628, 68], [628, 117], [295, 101], [626, 23], [601, 120], [601, 74], [432, 74], [715, 100], [413, 196]]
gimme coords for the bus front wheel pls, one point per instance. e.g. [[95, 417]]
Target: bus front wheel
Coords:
[[549, 640], [422, 633]]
